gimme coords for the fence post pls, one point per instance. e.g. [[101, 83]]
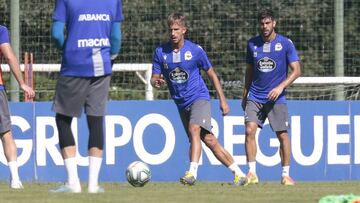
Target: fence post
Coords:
[[15, 44]]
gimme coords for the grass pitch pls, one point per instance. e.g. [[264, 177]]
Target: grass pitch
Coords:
[[175, 192]]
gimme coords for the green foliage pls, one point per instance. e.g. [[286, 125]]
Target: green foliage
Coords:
[[220, 27]]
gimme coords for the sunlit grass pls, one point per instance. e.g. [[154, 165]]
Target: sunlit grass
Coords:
[[175, 192]]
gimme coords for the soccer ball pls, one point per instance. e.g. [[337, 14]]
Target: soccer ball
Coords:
[[138, 174]]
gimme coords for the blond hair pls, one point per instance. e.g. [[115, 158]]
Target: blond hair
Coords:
[[176, 18]]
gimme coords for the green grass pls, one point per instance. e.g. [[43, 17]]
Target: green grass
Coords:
[[175, 192]]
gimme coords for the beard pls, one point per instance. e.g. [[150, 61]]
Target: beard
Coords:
[[267, 33]]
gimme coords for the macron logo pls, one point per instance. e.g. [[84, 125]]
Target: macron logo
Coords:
[[103, 42], [94, 17]]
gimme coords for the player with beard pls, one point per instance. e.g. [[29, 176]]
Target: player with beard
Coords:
[[267, 60]]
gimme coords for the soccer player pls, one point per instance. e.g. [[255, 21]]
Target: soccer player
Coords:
[[93, 35], [267, 60], [180, 62], [5, 122]]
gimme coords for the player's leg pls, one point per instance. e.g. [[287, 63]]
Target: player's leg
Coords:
[[195, 147], [95, 108], [250, 145], [193, 133], [219, 151], [9, 146], [254, 117], [68, 102], [223, 156], [285, 153], [10, 152], [278, 118], [8, 142], [251, 151], [285, 150], [68, 151], [95, 147], [66, 137]]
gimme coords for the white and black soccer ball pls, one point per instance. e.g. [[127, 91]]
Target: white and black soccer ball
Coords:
[[138, 173]]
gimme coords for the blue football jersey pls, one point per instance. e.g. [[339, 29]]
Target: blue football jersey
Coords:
[[4, 38], [270, 62], [86, 52], [182, 72]]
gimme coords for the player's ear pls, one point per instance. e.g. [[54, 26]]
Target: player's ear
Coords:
[[274, 23]]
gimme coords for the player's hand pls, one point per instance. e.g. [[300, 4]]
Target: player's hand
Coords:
[[29, 92], [157, 82], [224, 108], [275, 93]]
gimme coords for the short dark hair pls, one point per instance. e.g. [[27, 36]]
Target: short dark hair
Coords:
[[265, 13]]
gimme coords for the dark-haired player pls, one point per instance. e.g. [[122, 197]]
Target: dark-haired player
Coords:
[[267, 60]]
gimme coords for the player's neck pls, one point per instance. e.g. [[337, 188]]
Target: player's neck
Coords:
[[177, 46], [269, 38]]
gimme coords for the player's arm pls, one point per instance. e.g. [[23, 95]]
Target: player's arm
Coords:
[[11, 59], [115, 40], [157, 80], [295, 73], [248, 80], [219, 91], [57, 33]]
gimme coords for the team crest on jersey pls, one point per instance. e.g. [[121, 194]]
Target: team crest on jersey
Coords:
[[188, 56], [178, 75], [266, 64], [278, 47]]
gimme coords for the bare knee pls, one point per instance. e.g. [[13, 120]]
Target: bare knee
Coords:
[[210, 141], [282, 136], [6, 137], [250, 131], [194, 130]]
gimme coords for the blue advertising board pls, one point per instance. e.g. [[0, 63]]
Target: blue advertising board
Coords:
[[325, 142]]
